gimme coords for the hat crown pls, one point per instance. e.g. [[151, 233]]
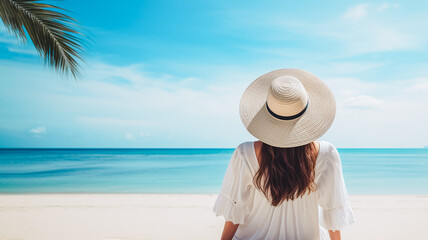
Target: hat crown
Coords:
[[287, 96]]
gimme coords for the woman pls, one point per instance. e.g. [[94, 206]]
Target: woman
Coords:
[[287, 185]]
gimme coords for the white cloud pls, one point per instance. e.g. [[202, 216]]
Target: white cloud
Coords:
[[361, 11], [367, 113], [368, 31], [9, 40], [104, 121], [183, 112], [360, 29], [420, 85], [380, 38], [130, 136], [356, 13], [382, 7], [345, 88], [15, 44], [144, 134], [362, 101], [23, 50], [178, 115], [345, 68], [38, 130], [157, 106]]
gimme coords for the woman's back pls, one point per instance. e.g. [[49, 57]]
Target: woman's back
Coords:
[[242, 203]]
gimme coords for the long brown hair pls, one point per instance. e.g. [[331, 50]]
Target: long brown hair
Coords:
[[286, 173]]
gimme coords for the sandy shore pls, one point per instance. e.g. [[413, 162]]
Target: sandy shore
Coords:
[[184, 216]]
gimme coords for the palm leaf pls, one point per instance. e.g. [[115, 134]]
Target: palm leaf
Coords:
[[52, 32]]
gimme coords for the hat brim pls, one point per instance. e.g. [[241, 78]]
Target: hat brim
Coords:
[[314, 122]]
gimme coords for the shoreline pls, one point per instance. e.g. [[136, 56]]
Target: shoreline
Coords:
[[135, 216]]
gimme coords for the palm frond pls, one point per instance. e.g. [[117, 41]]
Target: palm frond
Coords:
[[52, 32]]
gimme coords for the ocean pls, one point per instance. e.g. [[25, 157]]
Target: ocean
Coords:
[[366, 171]]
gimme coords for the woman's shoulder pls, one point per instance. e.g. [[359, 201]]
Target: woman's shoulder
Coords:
[[245, 148], [327, 155], [242, 150], [245, 153], [244, 144], [327, 147]]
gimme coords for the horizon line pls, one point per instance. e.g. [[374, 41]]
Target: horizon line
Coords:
[[172, 148]]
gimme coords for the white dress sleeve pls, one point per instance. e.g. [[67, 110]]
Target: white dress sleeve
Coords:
[[236, 190], [335, 209]]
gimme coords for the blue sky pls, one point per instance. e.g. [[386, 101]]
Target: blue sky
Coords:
[[171, 73]]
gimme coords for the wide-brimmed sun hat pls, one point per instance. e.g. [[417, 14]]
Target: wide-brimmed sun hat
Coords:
[[287, 108]]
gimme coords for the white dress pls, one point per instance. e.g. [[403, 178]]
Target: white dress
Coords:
[[304, 218]]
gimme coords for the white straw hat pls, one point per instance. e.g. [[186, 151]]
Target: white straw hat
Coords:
[[287, 108]]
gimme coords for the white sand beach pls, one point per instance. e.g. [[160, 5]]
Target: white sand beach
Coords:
[[180, 216]]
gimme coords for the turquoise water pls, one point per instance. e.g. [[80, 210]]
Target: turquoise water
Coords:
[[366, 171]]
